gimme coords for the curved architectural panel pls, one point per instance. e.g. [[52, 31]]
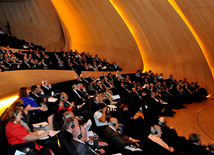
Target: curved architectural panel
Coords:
[[96, 27], [168, 45], [13, 0], [200, 14], [34, 21], [11, 81]]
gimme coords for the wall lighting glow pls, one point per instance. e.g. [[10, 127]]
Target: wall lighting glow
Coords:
[[197, 38], [133, 27], [4, 103]]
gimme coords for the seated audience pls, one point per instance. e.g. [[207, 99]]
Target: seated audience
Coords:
[[79, 138], [17, 135], [37, 113], [100, 116], [196, 147], [155, 136], [112, 130], [211, 147]]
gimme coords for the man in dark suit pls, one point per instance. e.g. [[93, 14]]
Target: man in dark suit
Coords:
[[35, 96], [79, 138], [195, 146], [47, 88], [75, 96], [118, 137]]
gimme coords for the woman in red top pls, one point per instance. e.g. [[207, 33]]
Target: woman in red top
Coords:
[[17, 135], [61, 107]]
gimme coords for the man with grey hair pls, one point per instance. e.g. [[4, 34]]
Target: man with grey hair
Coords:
[[196, 146], [211, 147], [112, 130], [155, 136], [79, 138]]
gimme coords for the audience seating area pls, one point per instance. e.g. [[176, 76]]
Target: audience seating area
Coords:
[[142, 99], [72, 60], [137, 92], [14, 42]]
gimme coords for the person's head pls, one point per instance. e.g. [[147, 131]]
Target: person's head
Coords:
[[67, 114], [14, 115], [134, 90], [195, 138], [79, 133], [61, 104], [44, 82], [34, 89], [101, 106], [113, 122], [18, 115], [211, 146], [162, 121], [71, 123], [152, 94], [74, 87], [64, 96], [17, 104], [23, 92], [156, 130], [79, 85]]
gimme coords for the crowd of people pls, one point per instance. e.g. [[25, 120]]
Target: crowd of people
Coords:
[[134, 121], [62, 60]]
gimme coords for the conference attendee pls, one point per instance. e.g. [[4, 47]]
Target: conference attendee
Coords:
[[64, 99], [37, 113], [155, 136], [65, 115], [100, 116], [196, 147], [85, 82], [70, 124], [61, 108], [121, 139], [169, 134], [47, 88], [82, 91], [79, 138], [34, 95], [17, 104], [211, 147], [91, 89], [18, 136], [25, 64], [91, 78], [75, 96]]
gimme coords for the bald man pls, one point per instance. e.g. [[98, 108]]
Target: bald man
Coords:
[[118, 137], [70, 124], [79, 138]]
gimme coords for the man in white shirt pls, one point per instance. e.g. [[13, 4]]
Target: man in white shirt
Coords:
[[100, 116]]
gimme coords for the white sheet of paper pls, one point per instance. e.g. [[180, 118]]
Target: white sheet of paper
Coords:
[[88, 125], [51, 133], [42, 124], [115, 97], [52, 99]]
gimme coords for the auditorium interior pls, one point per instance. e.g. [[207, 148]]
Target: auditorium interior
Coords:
[[153, 46]]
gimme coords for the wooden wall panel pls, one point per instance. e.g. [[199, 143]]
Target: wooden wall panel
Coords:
[[168, 45], [200, 14], [11, 81], [94, 26], [34, 21]]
